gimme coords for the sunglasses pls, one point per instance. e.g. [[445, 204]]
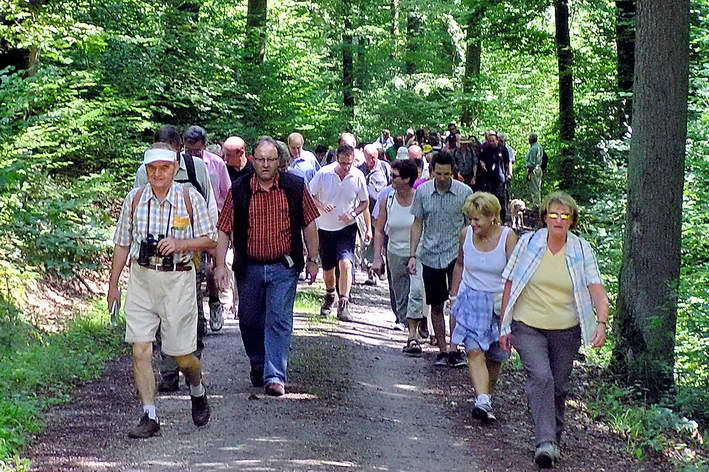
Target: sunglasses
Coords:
[[563, 216]]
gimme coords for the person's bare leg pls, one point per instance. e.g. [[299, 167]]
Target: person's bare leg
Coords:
[[413, 325], [477, 369], [329, 279], [345, 282], [493, 370], [191, 368], [143, 375], [439, 326], [451, 321]]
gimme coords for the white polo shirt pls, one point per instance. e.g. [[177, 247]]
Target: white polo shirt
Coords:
[[345, 194]]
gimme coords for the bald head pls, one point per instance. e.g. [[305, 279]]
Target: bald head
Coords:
[[371, 154], [415, 152], [349, 139], [234, 149], [295, 144]]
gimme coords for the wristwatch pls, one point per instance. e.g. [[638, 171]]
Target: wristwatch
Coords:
[[313, 259], [353, 215]]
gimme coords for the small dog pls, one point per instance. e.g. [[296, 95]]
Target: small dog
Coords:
[[517, 208]]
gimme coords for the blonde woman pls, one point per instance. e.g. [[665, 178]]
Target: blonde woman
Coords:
[[552, 286], [476, 291]]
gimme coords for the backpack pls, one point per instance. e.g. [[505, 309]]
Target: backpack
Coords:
[[545, 160], [191, 175]]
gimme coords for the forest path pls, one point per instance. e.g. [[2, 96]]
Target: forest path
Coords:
[[354, 402]]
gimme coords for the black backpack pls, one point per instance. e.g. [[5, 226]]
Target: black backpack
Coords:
[[545, 160], [191, 174]]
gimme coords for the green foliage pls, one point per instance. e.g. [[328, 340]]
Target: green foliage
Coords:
[[39, 370]]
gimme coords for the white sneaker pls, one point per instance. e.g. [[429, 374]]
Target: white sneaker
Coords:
[[483, 412], [399, 327]]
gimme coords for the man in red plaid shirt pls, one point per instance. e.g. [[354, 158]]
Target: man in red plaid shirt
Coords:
[[264, 216]]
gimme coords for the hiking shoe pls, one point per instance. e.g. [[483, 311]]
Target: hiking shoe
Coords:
[[399, 326], [200, 410], [456, 359], [412, 348], [484, 413], [441, 359], [343, 310], [274, 389], [256, 376], [216, 316], [145, 428], [169, 382], [327, 303], [546, 455]]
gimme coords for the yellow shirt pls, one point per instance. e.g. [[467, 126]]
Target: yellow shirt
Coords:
[[547, 302]]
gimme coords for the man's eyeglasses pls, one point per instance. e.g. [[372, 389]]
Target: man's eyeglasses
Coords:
[[563, 216], [262, 160], [395, 176]]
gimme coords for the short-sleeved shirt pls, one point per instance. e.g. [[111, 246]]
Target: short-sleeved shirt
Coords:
[[169, 217], [269, 233], [305, 165], [534, 156], [442, 215], [345, 194], [376, 178], [219, 176]]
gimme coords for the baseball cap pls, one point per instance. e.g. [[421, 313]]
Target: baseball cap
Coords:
[[402, 153], [427, 148], [155, 155]]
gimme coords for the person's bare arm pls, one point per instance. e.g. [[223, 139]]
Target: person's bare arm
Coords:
[[379, 225], [458, 269], [310, 236], [416, 231], [220, 270], [599, 297], [120, 257]]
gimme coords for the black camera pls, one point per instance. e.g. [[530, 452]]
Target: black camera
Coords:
[[149, 249]]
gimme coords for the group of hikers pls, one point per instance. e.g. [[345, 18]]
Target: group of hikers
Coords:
[[426, 211]]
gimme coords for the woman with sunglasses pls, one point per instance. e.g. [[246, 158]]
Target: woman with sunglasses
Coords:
[[553, 299]]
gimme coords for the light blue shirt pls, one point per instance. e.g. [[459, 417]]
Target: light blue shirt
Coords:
[[305, 166]]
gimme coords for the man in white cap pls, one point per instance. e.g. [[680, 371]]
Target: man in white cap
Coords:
[[161, 225]]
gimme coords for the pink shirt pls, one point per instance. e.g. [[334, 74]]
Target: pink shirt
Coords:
[[221, 183]]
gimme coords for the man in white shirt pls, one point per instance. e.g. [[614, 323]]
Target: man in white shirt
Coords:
[[340, 193], [385, 139]]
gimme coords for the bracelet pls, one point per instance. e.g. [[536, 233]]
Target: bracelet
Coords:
[[412, 257], [316, 260], [604, 323]]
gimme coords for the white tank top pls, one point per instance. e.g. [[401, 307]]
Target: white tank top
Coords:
[[398, 226], [483, 270]]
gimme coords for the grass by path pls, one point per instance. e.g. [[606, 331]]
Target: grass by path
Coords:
[[39, 370]]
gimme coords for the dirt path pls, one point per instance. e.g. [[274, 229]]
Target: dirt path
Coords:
[[354, 403]]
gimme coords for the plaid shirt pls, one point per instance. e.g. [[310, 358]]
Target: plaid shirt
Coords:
[[131, 231], [582, 267], [269, 232], [443, 218]]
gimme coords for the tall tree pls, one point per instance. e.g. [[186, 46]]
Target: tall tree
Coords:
[[567, 119], [473, 53], [625, 44], [413, 29], [347, 61], [649, 277], [395, 13], [255, 43]]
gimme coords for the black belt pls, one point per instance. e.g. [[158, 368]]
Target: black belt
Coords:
[[172, 268], [280, 260]]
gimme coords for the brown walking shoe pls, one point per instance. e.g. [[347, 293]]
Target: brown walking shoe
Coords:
[[200, 410], [327, 303], [343, 310], [145, 428]]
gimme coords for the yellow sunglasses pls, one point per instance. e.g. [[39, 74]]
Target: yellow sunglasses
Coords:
[[563, 216]]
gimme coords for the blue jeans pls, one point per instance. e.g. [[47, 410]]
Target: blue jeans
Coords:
[[266, 296]]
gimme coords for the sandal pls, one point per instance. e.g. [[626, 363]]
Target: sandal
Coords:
[[412, 348]]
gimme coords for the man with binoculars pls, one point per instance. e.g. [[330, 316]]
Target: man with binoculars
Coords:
[[160, 226]]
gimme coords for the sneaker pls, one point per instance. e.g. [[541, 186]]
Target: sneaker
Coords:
[[546, 455], [145, 428], [398, 326], [441, 359], [216, 316], [343, 310], [371, 280], [484, 413], [169, 382], [274, 389], [327, 303], [200, 410], [456, 359]]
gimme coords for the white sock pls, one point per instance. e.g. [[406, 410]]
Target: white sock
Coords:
[[197, 391], [483, 398], [150, 410]]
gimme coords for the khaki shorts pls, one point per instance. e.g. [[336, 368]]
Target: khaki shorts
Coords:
[[167, 300]]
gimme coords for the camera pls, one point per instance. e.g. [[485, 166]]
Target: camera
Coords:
[[149, 249]]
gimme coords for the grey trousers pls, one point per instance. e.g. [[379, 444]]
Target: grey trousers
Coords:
[[547, 356], [399, 284]]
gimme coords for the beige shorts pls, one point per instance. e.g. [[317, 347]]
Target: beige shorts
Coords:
[[167, 300]]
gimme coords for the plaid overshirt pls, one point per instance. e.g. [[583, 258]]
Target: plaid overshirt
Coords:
[[130, 233], [582, 266]]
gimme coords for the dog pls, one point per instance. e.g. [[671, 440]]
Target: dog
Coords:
[[517, 208]]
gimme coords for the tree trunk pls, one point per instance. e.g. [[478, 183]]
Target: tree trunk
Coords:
[[255, 43], [395, 13], [647, 301], [473, 53], [567, 120], [413, 26], [625, 44], [347, 63]]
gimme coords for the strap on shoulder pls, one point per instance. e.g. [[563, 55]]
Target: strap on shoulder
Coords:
[[188, 205]]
